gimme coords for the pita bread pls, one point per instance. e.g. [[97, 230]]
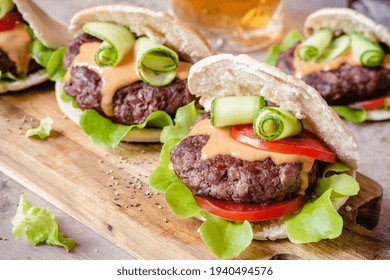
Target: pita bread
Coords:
[[51, 32], [228, 75], [344, 20], [160, 27]]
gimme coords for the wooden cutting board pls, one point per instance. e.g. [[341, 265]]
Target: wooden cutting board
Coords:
[[107, 191]]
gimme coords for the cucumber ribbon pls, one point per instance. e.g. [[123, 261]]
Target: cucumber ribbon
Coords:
[[336, 48], [117, 41], [274, 124], [5, 7], [369, 53], [156, 63], [315, 45], [224, 110]]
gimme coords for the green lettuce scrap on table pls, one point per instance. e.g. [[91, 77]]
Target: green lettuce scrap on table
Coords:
[[38, 225], [43, 130], [317, 220]]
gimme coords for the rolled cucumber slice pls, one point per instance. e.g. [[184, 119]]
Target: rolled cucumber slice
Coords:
[[315, 45], [117, 41], [273, 123], [5, 7], [369, 53], [338, 47], [156, 63], [235, 110]]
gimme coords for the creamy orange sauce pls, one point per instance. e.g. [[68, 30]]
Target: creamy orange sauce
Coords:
[[221, 143], [15, 43], [304, 68], [114, 78], [386, 61]]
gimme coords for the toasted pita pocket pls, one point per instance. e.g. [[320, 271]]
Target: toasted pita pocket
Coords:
[[160, 27], [51, 32], [344, 20], [227, 75]]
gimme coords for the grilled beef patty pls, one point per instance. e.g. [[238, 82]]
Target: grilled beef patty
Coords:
[[344, 85], [131, 104], [229, 178]]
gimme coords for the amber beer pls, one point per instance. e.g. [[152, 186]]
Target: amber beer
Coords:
[[233, 25]]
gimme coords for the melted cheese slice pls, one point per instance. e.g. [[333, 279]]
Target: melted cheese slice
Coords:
[[114, 78], [15, 43], [221, 143]]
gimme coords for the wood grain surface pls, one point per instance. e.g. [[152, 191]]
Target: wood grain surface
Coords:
[[107, 191]]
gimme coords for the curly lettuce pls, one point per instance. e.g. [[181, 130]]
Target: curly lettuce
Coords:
[[48, 58], [107, 134], [43, 130], [38, 225], [319, 219], [274, 51]]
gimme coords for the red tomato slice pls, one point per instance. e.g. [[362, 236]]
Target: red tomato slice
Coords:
[[240, 212], [306, 144], [371, 104], [10, 20]]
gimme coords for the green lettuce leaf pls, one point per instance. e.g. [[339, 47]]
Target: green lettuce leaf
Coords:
[[48, 58], [39, 52], [387, 103], [181, 201], [352, 115], [66, 98], [55, 69], [162, 176], [224, 238], [39, 225], [335, 167], [289, 40], [43, 130], [107, 134], [342, 185], [317, 220], [184, 119], [9, 76]]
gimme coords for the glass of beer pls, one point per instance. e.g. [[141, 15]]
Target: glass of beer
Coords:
[[233, 25]]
